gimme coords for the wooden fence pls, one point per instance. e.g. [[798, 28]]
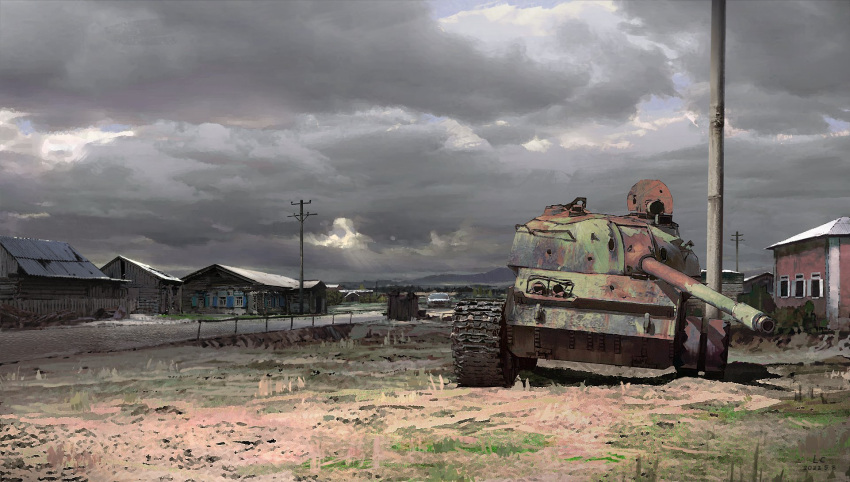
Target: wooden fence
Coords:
[[81, 306]]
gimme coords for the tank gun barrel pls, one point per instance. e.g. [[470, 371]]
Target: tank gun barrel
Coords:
[[744, 314]]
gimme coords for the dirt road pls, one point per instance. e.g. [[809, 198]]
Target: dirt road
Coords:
[[377, 401]]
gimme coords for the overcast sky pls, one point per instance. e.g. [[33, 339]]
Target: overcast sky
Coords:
[[178, 133]]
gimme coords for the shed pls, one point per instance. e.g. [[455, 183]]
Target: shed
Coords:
[[764, 280], [815, 266], [44, 276], [155, 291], [228, 289]]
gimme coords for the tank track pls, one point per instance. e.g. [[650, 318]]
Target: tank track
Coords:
[[477, 348]]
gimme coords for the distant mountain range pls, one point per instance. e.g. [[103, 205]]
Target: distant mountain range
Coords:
[[495, 277]]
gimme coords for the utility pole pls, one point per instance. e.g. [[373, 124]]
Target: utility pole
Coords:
[[737, 237], [301, 217], [717, 81]]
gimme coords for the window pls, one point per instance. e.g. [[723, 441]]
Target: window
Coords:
[[799, 286], [783, 287], [816, 286], [222, 301], [240, 302]]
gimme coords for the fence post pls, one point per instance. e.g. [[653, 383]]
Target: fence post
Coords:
[[235, 325], [291, 321], [267, 324], [350, 315], [313, 320], [333, 315], [199, 329]]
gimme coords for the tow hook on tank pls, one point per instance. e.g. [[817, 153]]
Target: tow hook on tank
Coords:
[[539, 314], [648, 326]]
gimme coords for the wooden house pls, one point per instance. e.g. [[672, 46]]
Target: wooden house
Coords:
[[154, 290], [815, 266], [227, 289], [44, 276]]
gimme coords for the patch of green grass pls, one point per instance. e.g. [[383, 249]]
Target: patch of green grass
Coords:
[[259, 469], [500, 445], [609, 458]]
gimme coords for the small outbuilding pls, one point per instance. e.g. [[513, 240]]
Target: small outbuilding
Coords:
[[227, 289], [43, 276], [815, 266], [155, 291], [763, 280]]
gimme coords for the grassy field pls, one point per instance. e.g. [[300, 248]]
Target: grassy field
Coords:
[[380, 403]]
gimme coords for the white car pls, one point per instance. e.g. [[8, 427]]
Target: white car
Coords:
[[439, 299]]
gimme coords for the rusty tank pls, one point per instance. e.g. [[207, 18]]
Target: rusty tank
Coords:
[[599, 288]]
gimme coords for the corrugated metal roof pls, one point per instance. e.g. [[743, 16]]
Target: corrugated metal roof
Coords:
[[259, 277], [267, 279], [159, 274], [768, 273], [53, 259], [838, 227]]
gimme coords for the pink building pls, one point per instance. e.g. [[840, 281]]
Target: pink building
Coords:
[[815, 266]]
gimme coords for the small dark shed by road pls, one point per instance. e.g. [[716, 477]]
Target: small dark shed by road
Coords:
[[227, 289], [44, 276], [154, 290]]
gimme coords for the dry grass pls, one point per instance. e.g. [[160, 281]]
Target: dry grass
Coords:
[[383, 404]]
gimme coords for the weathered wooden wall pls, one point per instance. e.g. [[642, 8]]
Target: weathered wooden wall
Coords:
[[214, 281], [8, 264], [402, 307], [83, 307], [154, 295]]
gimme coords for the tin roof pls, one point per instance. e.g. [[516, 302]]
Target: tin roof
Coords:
[[837, 227], [766, 273], [53, 259], [259, 277], [159, 274]]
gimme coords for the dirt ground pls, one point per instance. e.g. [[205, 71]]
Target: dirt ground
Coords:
[[378, 402]]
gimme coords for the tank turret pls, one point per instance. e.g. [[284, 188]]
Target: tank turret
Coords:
[[602, 289]]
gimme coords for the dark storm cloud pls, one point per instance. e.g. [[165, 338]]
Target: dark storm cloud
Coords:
[[624, 74], [786, 62], [259, 62]]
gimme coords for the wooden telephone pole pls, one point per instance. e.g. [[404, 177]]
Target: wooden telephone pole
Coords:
[[301, 217], [737, 237]]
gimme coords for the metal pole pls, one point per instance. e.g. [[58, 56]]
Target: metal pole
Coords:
[[714, 233]]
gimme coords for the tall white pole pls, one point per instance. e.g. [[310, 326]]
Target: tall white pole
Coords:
[[714, 234]]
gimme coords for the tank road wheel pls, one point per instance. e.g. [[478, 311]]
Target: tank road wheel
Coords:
[[481, 358]]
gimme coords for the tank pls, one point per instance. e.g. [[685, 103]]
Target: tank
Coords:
[[599, 288]]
